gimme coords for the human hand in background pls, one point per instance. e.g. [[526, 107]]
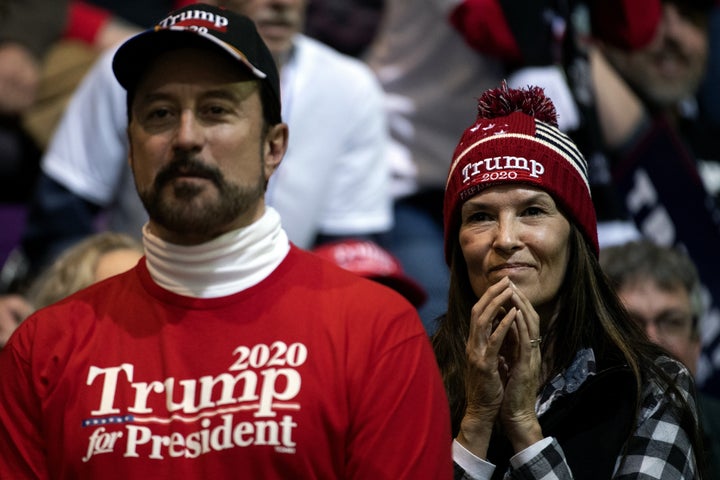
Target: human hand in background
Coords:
[[620, 111], [13, 309]]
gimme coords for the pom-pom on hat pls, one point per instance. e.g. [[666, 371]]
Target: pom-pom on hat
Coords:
[[515, 139], [206, 26]]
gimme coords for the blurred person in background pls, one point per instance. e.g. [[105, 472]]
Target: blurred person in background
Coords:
[[14, 309], [91, 260], [28, 29], [95, 258], [661, 290]]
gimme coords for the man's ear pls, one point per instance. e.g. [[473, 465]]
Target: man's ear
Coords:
[[130, 146], [274, 147]]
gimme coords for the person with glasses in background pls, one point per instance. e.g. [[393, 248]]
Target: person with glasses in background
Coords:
[[661, 290]]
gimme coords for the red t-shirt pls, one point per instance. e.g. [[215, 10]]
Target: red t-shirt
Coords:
[[313, 373]]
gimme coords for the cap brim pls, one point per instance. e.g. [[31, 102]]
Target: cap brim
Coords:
[[135, 55]]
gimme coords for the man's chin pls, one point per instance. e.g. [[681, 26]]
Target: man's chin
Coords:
[[278, 37], [188, 223], [189, 189]]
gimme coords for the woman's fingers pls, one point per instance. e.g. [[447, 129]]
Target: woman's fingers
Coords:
[[529, 322], [488, 314]]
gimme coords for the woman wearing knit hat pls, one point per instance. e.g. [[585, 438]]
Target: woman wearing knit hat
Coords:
[[546, 375]]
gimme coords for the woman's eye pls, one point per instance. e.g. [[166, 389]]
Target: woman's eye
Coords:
[[215, 110], [534, 211], [477, 217]]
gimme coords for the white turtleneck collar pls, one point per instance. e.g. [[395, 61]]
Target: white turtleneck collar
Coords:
[[225, 265]]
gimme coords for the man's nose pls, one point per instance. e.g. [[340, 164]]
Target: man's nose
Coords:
[[189, 133]]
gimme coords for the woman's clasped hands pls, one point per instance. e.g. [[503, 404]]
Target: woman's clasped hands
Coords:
[[504, 367]]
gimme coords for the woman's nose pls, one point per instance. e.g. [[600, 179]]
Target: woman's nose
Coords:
[[507, 237]]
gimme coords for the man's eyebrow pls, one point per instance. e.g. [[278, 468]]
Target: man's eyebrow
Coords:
[[154, 96], [221, 94]]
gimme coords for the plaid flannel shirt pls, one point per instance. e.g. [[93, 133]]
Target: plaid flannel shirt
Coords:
[[657, 449]]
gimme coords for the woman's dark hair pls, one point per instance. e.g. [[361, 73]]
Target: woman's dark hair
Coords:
[[590, 314]]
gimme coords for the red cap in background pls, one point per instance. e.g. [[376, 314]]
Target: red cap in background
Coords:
[[369, 260], [627, 24]]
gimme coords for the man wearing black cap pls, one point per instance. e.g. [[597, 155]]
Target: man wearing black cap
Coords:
[[227, 351], [333, 182]]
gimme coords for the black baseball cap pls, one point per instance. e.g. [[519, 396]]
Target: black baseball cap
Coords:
[[205, 26]]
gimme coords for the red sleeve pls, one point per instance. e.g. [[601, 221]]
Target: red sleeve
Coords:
[[21, 441], [398, 395], [85, 21], [483, 25], [628, 24]]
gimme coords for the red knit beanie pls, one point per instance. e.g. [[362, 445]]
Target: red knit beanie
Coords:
[[515, 139]]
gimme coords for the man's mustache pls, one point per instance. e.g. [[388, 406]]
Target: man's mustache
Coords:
[[277, 18], [183, 166]]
